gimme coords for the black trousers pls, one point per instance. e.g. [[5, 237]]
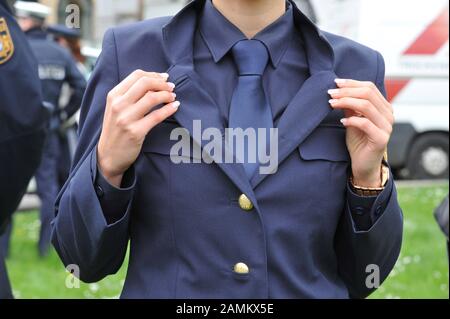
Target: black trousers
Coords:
[[5, 287]]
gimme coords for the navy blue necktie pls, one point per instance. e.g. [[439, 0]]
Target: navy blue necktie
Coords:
[[249, 105]]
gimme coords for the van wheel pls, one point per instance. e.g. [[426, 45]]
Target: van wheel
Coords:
[[429, 158]]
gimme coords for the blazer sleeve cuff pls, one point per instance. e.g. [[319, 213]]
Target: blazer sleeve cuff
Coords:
[[365, 211], [114, 201]]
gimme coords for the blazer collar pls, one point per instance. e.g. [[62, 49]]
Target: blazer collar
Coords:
[[179, 32], [305, 112], [220, 35]]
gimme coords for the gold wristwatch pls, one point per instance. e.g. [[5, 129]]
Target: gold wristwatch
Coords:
[[368, 191]]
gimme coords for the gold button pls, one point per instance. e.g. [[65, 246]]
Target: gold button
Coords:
[[245, 203], [241, 269]]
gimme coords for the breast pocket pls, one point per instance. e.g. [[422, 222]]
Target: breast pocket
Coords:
[[326, 143], [185, 180], [323, 168], [167, 138], [158, 140]]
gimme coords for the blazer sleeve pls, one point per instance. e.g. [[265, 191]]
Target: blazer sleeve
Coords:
[[369, 237], [81, 232]]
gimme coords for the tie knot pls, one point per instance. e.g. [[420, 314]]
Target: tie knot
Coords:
[[251, 57]]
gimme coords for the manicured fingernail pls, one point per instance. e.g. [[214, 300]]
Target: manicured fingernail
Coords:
[[340, 81], [174, 96], [164, 75], [344, 121], [171, 85], [333, 92], [176, 104], [333, 101]]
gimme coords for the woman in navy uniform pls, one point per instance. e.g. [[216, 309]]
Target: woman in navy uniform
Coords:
[[23, 121], [325, 224]]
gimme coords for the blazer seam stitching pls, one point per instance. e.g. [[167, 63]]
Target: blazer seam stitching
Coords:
[[116, 55]]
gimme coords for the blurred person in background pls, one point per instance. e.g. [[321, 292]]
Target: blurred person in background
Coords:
[[441, 214], [56, 67], [218, 230], [68, 38], [23, 122]]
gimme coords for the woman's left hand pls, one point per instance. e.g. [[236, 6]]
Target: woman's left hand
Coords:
[[369, 119]]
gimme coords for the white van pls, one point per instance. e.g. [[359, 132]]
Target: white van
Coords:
[[413, 37]]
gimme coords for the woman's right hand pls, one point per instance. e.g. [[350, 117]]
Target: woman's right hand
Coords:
[[129, 118]]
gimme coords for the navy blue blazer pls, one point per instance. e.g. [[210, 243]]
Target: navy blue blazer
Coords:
[[186, 227]]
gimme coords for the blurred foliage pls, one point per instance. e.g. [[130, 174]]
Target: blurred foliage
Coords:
[[421, 272]]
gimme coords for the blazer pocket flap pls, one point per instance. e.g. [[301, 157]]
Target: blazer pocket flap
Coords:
[[158, 140], [325, 143]]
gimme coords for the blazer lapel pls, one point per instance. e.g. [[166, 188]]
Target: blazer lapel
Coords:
[[305, 112], [310, 105], [196, 103]]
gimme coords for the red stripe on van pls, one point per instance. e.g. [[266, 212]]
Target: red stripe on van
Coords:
[[394, 87], [433, 38]]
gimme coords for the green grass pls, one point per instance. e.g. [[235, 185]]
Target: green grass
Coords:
[[421, 272], [33, 277], [422, 269]]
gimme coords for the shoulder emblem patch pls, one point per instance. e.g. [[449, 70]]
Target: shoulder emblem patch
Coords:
[[6, 42]]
